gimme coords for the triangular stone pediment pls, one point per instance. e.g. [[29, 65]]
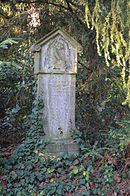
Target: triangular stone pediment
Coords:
[[53, 34]]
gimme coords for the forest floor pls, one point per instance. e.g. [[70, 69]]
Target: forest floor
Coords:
[[72, 170]]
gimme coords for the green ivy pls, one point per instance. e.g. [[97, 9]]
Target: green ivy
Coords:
[[29, 173], [119, 137]]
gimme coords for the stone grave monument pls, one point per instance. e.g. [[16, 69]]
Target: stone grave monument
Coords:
[[55, 63]]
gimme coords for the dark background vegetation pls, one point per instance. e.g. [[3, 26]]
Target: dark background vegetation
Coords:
[[99, 89]]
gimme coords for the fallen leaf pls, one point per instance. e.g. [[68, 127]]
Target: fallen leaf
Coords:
[[51, 180]]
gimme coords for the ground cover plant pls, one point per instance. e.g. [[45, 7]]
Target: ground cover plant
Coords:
[[95, 171]]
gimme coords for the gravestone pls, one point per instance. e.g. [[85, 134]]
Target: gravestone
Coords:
[[55, 63]]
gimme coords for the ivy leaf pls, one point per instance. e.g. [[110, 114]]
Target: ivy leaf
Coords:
[[40, 177], [75, 170], [82, 181], [50, 170]]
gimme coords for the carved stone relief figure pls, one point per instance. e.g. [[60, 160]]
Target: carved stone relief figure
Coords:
[[58, 55]]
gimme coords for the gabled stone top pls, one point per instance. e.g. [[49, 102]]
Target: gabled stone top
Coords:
[[58, 31]]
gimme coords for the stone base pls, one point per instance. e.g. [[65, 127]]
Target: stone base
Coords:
[[59, 147]]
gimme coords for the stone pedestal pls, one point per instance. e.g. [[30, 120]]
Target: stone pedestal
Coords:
[[59, 147], [56, 66]]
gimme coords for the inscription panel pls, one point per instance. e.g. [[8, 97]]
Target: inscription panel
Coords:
[[58, 92]]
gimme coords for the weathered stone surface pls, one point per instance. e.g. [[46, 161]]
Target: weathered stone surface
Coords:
[[58, 56], [59, 147], [56, 66], [58, 92]]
